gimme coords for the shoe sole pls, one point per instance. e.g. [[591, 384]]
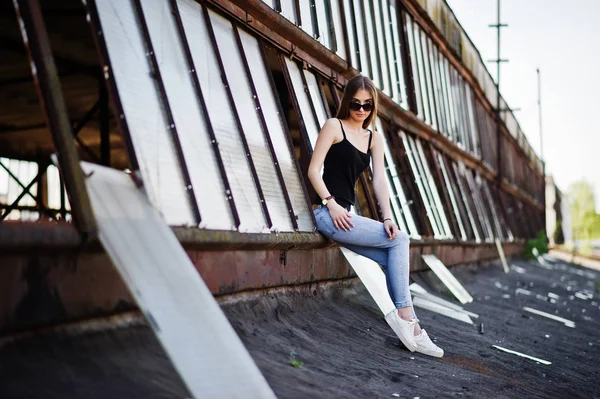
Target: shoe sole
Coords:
[[428, 353], [405, 342]]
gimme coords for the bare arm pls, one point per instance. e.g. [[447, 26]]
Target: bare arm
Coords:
[[327, 137], [380, 185]]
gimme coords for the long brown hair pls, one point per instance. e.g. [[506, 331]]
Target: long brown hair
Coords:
[[355, 84]]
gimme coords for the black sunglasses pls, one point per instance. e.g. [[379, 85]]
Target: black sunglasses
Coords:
[[356, 106]]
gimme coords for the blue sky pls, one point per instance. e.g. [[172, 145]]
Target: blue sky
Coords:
[[560, 39]]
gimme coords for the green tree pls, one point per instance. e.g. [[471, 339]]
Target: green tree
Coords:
[[585, 220]]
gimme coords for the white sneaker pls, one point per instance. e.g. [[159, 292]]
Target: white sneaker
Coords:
[[426, 347], [405, 330]]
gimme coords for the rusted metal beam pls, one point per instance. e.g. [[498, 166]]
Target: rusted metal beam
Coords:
[[35, 38], [16, 237], [275, 22]]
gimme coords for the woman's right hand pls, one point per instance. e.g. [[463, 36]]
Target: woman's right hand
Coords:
[[340, 216]]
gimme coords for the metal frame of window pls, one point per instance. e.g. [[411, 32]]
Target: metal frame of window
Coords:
[[352, 34], [420, 180], [266, 133], [202, 104], [151, 56], [416, 82], [363, 43], [420, 64], [286, 130], [450, 202], [219, 59], [400, 203], [372, 43], [483, 216], [467, 202], [429, 79], [434, 191], [437, 91], [382, 45]]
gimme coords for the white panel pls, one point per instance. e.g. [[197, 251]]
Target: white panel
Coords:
[[384, 61], [336, 16], [421, 73], [535, 359], [316, 97], [324, 34], [451, 194], [483, 216], [402, 100], [410, 153], [415, 69], [428, 80], [53, 187], [417, 290], [288, 10], [464, 193], [370, 29], [502, 256], [143, 110], [434, 191], [372, 277], [306, 17], [222, 117], [198, 152], [353, 58], [251, 125], [190, 325], [404, 212], [420, 162], [361, 36], [447, 278], [566, 322], [432, 306], [276, 131], [390, 45], [306, 113]]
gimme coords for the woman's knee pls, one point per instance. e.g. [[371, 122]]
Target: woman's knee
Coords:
[[401, 238]]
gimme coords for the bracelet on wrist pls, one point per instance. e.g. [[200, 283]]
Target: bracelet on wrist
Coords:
[[387, 219]]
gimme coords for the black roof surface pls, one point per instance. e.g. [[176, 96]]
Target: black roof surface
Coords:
[[347, 349]]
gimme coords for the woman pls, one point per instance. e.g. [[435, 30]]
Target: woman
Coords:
[[345, 146]]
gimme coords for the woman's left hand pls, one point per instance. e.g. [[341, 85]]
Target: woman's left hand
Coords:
[[391, 229]]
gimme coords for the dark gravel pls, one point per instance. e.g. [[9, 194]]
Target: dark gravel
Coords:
[[347, 349]]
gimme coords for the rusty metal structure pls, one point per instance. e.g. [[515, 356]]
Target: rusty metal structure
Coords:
[[213, 106]]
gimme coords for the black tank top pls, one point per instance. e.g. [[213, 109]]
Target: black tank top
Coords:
[[343, 164]]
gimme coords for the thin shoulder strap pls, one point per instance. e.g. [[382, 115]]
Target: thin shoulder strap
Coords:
[[370, 137], [343, 132]]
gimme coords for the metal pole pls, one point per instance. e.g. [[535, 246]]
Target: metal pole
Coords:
[[43, 69], [544, 221], [498, 128], [498, 60], [540, 122]]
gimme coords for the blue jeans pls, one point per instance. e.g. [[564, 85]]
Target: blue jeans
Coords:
[[369, 238]]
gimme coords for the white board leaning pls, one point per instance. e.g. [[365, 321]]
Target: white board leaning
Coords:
[[178, 305], [442, 272]]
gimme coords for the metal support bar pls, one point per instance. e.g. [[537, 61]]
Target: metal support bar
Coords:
[[35, 37]]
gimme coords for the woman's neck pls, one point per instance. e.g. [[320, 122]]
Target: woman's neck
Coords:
[[354, 124]]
